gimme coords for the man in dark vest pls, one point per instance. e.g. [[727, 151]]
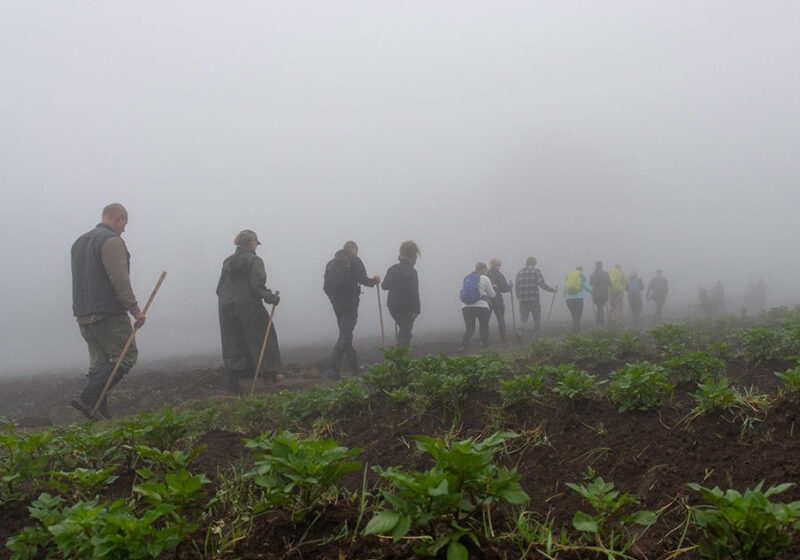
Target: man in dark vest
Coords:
[[102, 297]]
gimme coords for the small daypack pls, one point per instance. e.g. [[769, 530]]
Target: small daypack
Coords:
[[470, 292], [337, 277], [573, 283]]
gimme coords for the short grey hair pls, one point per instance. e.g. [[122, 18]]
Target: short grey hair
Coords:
[[114, 210]]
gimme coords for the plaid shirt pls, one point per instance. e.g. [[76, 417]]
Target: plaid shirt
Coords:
[[529, 280]]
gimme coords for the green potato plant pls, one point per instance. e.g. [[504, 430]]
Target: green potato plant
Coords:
[[746, 526], [444, 500], [612, 536], [576, 384], [638, 386], [298, 472], [694, 366]]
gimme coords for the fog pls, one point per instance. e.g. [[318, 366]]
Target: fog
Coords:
[[653, 134]]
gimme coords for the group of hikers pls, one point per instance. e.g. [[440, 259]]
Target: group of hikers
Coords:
[[482, 295], [103, 298]]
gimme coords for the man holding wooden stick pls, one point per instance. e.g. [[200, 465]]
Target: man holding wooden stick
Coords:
[[102, 297]]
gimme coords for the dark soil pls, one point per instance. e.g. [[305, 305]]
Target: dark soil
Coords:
[[651, 454]]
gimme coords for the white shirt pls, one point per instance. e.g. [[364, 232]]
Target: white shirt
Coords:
[[486, 290]]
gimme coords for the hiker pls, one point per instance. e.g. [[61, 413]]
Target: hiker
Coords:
[[344, 276], [242, 291], [501, 286], [657, 290], [402, 282], [635, 288], [102, 297], [528, 282], [476, 291], [600, 282], [616, 293], [574, 285]]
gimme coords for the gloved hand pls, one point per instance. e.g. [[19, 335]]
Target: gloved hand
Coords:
[[273, 299]]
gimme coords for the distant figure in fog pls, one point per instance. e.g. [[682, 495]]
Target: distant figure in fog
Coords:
[[476, 292], [498, 304], [528, 282], [657, 290], [616, 294], [600, 282], [635, 288], [574, 285], [344, 276], [102, 297], [403, 284], [242, 291]]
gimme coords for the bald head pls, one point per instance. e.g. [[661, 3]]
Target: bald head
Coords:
[[115, 216]]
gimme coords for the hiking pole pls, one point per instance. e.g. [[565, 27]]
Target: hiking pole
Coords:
[[125, 348], [552, 301], [263, 347], [380, 313], [513, 315]]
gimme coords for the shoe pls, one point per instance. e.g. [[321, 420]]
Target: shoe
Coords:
[[79, 405]]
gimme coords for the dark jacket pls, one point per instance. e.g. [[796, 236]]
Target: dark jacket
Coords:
[[243, 319], [501, 286], [403, 284], [92, 291], [600, 282], [349, 298], [243, 281]]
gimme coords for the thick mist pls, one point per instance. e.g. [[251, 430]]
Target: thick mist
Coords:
[[656, 135]]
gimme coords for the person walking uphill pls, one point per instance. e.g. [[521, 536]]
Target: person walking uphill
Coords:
[[498, 304], [600, 281], [635, 288], [344, 276], [403, 284], [657, 290], [242, 291], [574, 285], [529, 280], [102, 297], [476, 291]]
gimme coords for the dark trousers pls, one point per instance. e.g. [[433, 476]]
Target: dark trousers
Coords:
[[405, 322], [635, 301], [482, 314], [532, 308], [575, 306], [346, 319], [659, 306], [499, 310], [600, 305], [97, 381]]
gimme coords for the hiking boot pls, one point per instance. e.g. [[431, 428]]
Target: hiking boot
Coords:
[[78, 404]]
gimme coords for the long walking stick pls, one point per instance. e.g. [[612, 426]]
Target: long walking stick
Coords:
[[263, 347], [125, 348], [513, 314], [549, 311], [380, 313]]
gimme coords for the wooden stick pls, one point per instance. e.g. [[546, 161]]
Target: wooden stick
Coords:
[[125, 348], [263, 347], [513, 313], [380, 314], [548, 312]]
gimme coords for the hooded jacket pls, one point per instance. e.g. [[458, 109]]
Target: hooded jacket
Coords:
[[243, 281]]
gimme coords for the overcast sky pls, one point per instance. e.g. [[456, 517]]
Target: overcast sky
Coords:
[[654, 134]]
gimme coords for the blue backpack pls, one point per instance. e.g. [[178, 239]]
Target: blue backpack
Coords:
[[470, 292]]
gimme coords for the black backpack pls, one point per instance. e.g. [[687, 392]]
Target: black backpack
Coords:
[[338, 280]]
